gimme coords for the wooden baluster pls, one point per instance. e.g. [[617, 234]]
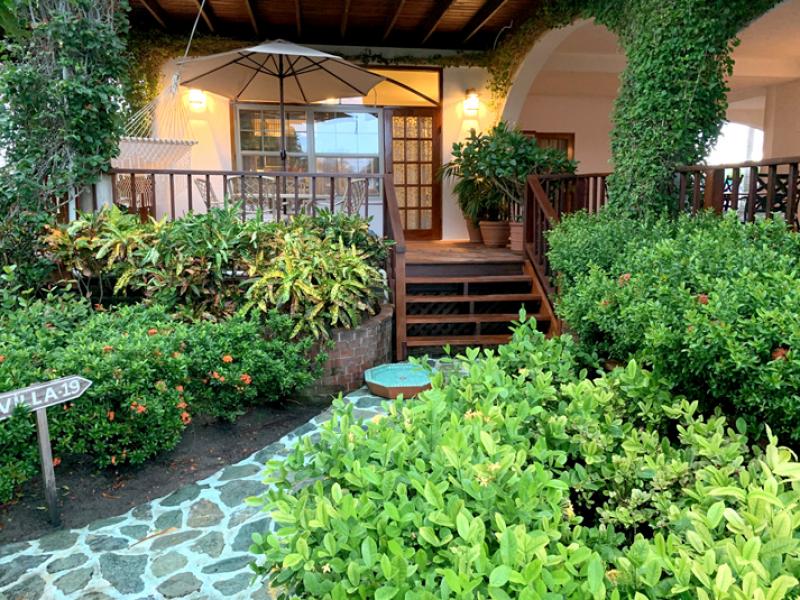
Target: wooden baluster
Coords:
[[713, 196], [333, 194], [172, 196], [314, 199], [296, 195], [189, 191], [735, 183], [132, 207], [261, 195], [208, 192], [696, 192], [751, 195], [682, 191], [769, 203], [115, 189], [94, 197], [225, 190], [791, 197]]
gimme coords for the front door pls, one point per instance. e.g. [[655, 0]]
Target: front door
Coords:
[[413, 156]]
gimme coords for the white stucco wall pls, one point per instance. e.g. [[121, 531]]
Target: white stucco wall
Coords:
[[782, 121], [589, 118], [456, 127]]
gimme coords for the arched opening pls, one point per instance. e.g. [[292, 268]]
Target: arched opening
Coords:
[[569, 99], [737, 143]]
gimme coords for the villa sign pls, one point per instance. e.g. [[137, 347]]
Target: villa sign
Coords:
[[37, 398], [42, 395]]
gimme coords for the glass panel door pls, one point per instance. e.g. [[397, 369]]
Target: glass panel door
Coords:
[[413, 154]]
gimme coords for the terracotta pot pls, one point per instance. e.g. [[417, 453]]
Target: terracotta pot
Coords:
[[515, 236], [474, 232], [494, 233]]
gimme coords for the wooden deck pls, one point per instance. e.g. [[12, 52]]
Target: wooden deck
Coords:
[[457, 252]]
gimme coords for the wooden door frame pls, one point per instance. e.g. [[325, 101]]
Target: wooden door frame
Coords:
[[435, 233], [569, 137]]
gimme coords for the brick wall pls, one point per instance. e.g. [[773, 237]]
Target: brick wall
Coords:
[[355, 351]]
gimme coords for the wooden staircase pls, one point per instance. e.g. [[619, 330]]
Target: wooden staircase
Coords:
[[466, 300]]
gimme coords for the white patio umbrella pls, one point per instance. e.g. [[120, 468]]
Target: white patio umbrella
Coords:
[[277, 71]]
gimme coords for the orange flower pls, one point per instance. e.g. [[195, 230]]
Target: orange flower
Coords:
[[222, 379], [246, 379], [134, 404], [176, 355], [107, 348], [113, 460], [110, 414], [181, 405], [2, 358], [780, 353], [152, 331], [56, 461], [186, 418], [624, 278], [179, 388], [227, 358], [141, 408], [215, 375], [702, 298]]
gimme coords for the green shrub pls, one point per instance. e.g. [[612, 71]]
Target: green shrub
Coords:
[[709, 303], [509, 481], [198, 265], [238, 362], [319, 281], [151, 375]]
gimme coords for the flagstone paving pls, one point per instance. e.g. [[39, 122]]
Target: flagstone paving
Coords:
[[192, 543]]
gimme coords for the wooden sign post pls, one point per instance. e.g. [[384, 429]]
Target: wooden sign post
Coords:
[[37, 398]]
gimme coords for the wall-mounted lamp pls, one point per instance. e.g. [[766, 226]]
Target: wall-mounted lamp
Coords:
[[472, 103], [197, 100]]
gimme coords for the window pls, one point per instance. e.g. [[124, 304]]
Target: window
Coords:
[[325, 139]]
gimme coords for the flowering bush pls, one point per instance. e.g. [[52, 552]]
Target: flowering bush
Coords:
[[509, 481], [151, 374], [709, 303], [238, 362]]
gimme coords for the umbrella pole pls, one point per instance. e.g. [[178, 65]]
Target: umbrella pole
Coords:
[[282, 112]]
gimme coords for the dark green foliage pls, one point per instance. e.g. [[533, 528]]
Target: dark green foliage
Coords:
[[673, 94], [240, 362], [711, 304], [517, 482], [61, 92], [492, 170], [152, 374]]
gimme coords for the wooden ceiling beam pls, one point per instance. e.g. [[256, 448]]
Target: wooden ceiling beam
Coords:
[[155, 10], [298, 14], [345, 16], [207, 14], [484, 14], [393, 20], [439, 12], [251, 12]]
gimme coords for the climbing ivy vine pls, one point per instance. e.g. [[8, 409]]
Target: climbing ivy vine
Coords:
[[673, 93], [61, 91]]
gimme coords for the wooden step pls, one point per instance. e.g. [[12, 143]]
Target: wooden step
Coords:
[[418, 299], [458, 340], [469, 279], [472, 318]]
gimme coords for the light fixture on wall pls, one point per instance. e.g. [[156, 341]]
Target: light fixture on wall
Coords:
[[197, 100], [472, 103]]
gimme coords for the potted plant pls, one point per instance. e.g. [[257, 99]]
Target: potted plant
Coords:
[[492, 169]]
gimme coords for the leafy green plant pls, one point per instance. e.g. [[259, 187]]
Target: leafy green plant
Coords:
[[240, 361], [521, 482], [707, 302], [492, 169], [319, 281]]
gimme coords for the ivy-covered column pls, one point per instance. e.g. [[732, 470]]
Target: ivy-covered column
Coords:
[[673, 93]]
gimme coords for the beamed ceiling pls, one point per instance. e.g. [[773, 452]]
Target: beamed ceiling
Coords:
[[445, 24]]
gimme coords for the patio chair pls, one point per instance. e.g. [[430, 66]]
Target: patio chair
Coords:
[[255, 192], [207, 194], [354, 197]]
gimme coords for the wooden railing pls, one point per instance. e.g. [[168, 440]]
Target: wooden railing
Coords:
[[270, 196], [549, 197], [765, 189]]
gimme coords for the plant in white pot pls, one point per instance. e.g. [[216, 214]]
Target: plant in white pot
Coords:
[[492, 169]]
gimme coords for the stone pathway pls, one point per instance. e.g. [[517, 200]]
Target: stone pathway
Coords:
[[191, 544]]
